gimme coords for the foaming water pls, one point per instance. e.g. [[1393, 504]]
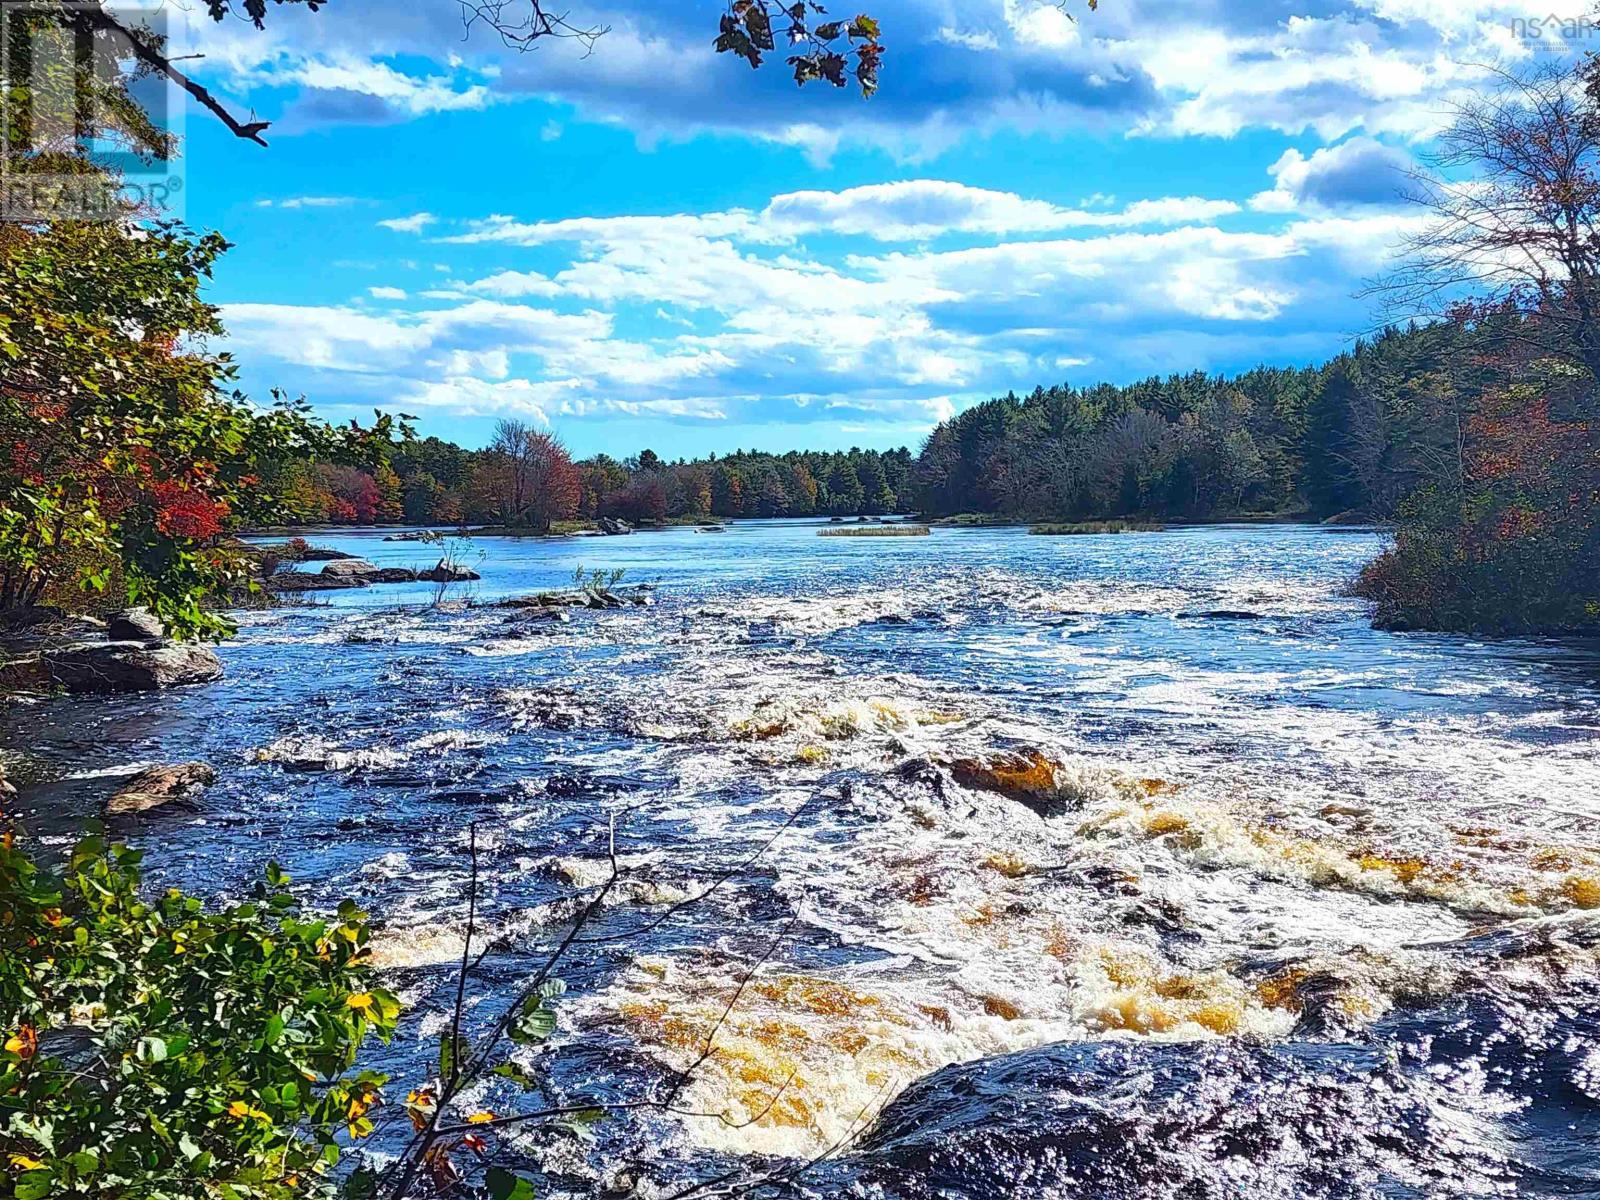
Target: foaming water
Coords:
[[1129, 866]]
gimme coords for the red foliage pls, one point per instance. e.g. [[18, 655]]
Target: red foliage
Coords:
[[184, 513]]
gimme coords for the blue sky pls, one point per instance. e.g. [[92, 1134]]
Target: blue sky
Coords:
[[649, 245]]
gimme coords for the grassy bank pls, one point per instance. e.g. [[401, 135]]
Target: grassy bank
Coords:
[[880, 531], [1094, 527]]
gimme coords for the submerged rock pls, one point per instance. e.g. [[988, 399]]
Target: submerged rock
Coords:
[[1144, 1120], [129, 667], [541, 615], [638, 596], [160, 786], [135, 625], [1027, 776]]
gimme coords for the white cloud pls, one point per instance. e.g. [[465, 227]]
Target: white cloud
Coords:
[[308, 202], [415, 223], [1170, 67], [867, 301], [510, 284], [921, 209], [1358, 173]]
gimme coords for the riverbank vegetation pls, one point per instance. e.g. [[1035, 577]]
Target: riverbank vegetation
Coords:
[[876, 531], [158, 1048], [1082, 528]]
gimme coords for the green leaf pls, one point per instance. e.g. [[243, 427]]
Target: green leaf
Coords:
[[503, 1185], [516, 1074], [447, 1055], [33, 1185], [151, 1049]]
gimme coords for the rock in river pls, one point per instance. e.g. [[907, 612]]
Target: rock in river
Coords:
[[310, 581], [448, 573], [129, 667], [349, 568], [135, 625], [159, 786], [1028, 776]]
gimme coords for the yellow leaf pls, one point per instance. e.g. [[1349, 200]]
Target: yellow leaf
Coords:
[[480, 1118], [23, 1162], [360, 1001]]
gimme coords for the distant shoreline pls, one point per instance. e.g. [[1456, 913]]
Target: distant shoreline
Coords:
[[567, 529]]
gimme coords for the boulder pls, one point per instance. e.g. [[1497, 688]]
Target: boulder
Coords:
[[323, 554], [392, 575], [306, 581], [415, 535], [135, 625], [614, 526], [26, 673], [129, 667], [350, 568], [448, 573], [159, 786], [1027, 776]]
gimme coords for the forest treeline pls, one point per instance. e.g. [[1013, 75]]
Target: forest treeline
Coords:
[[1352, 436], [525, 477]]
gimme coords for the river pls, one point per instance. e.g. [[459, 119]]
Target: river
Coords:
[[1313, 911]]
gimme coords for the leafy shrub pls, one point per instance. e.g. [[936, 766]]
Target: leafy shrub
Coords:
[[156, 1049]]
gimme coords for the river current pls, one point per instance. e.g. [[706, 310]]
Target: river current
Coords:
[[1314, 910]]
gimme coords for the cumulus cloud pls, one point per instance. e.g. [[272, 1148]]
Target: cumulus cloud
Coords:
[[415, 223], [922, 209], [1361, 173], [1170, 67], [823, 304]]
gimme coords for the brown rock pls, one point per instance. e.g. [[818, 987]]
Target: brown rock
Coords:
[[1027, 776], [160, 786]]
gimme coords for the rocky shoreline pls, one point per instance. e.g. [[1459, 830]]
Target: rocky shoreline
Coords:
[[129, 652]]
